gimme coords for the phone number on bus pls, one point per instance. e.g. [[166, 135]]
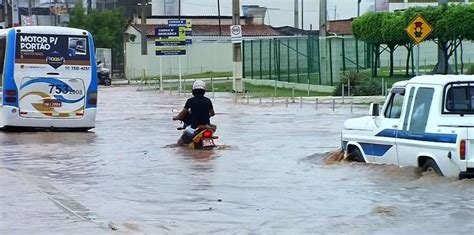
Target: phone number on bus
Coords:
[[77, 68]]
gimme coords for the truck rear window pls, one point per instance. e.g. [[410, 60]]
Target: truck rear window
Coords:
[[460, 98]]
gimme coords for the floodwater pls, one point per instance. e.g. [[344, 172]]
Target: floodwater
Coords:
[[268, 176]]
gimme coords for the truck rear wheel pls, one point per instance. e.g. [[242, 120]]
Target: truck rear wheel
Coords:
[[431, 166], [356, 156]]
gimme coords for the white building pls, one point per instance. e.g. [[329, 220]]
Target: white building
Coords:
[[165, 7], [404, 4]]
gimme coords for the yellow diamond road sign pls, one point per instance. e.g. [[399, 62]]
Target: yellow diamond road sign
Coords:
[[419, 29]]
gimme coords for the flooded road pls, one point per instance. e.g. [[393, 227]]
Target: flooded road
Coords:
[[268, 176]]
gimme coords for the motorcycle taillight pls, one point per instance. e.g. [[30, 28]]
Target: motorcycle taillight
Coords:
[[207, 134]]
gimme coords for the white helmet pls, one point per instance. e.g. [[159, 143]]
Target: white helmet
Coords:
[[199, 84]]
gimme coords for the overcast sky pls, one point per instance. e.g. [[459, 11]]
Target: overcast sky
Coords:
[[280, 12]]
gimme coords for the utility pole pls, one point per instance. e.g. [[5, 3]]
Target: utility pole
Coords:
[[6, 13], [237, 54], [30, 5], [323, 73], [296, 15], [219, 16], [302, 14], [358, 8], [143, 27]]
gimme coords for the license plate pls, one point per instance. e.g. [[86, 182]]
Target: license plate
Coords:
[[52, 103], [208, 143]]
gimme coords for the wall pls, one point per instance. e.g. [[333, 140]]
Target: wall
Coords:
[[202, 56]]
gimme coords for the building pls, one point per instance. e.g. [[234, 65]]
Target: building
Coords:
[[56, 12], [394, 5], [211, 48]]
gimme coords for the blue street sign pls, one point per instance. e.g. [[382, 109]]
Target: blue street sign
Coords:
[[166, 31]]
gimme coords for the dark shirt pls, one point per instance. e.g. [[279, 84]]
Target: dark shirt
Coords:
[[199, 107]]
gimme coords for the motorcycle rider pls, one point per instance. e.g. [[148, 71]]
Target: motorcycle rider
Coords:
[[196, 113]]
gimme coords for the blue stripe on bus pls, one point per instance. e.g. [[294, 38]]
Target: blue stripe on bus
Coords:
[[430, 137], [64, 100], [52, 81], [8, 74], [375, 149], [93, 85]]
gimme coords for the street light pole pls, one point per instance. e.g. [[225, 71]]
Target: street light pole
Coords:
[[237, 54]]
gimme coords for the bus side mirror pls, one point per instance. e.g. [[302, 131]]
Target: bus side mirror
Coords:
[[374, 109]]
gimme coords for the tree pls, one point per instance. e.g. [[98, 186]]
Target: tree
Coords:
[[368, 28], [451, 25], [106, 28], [393, 34]]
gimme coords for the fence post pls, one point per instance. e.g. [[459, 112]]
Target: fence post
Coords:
[[343, 55], [351, 104], [286, 102], [333, 104], [212, 86], [275, 90], [330, 61], [342, 93], [251, 59], [301, 101], [309, 88], [288, 59], [260, 59], [293, 94], [297, 62], [357, 55], [243, 58], [270, 59], [273, 100], [383, 86], [316, 104]]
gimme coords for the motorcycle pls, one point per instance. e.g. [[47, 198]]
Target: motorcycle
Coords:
[[203, 137], [103, 76]]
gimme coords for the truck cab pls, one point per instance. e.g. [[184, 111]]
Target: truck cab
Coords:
[[426, 122]]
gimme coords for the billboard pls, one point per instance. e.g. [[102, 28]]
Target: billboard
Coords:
[[54, 50]]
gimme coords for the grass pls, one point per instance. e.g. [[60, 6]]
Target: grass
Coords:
[[256, 91], [207, 74]]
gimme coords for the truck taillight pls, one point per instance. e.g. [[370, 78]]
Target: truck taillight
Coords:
[[462, 150]]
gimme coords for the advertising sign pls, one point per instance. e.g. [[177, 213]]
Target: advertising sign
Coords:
[[54, 50]]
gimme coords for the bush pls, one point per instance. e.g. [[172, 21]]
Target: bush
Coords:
[[361, 84], [470, 70]]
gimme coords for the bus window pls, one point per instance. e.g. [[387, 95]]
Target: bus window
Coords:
[[3, 41]]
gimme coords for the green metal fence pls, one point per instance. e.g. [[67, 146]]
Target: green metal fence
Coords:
[[282, 59], [297, 59]]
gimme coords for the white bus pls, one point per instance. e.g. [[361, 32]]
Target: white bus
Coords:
[[48, 79]]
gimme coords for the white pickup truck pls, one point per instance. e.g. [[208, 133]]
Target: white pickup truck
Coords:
[[427, 122]]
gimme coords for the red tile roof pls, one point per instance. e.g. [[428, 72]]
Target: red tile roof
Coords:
[[213, 30]]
